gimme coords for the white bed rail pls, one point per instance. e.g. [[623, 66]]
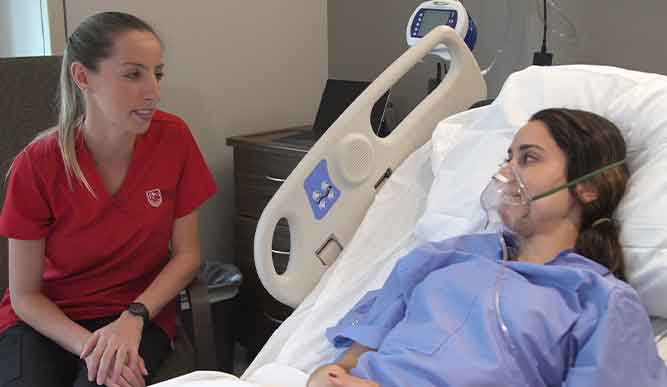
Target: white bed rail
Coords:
[[345, 168]]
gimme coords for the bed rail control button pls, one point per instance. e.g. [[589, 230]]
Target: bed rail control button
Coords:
[[321, 192]]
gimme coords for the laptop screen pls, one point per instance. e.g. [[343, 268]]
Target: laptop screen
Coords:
[[338, 95]]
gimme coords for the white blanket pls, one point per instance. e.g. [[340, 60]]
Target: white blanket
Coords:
[[388, 230], [386, 234], [298, 346], [271, 375]]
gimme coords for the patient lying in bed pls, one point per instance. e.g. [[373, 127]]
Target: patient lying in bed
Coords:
[[557, 312]]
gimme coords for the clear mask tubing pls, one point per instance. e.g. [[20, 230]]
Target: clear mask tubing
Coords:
[[502, 192]]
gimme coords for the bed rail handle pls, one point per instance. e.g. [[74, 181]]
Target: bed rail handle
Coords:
[[354, 160]]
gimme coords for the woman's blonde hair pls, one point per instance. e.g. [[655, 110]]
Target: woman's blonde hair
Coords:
[[89, 44]]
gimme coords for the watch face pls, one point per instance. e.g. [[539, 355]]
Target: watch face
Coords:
[[138, 309]]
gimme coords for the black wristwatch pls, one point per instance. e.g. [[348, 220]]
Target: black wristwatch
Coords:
[[139, 309]]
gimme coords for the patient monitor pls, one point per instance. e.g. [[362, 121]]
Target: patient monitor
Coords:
[[431, 14]]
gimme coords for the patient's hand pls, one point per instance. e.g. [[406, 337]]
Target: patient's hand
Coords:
[[335, 375]]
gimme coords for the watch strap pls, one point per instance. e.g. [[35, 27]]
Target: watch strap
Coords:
[[139, 309]]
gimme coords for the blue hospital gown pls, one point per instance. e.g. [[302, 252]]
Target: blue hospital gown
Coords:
[[434, 323]]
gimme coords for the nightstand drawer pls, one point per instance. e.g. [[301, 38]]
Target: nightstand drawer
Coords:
[[245, 231], [261, 165], [253, 194], [258, 174], [267, 163]]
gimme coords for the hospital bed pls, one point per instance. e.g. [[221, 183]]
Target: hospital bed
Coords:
[[441, 163]]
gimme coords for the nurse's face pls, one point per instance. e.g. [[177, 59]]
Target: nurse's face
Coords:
[[542, 165], [124, 91]]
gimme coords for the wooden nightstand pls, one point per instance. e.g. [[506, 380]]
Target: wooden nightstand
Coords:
[[261, 164]]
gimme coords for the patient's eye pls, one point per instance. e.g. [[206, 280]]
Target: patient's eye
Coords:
[[132, 75], [528, 157]]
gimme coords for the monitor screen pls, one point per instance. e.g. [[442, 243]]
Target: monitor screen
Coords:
[[337, 96], [433, 18]]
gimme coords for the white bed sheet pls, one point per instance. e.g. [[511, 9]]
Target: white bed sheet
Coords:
[[387, 232], [385, 235], [394, 216], [271, 375], [298, 346]]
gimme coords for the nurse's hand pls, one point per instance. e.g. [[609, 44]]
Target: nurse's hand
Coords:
[[128, 378], [335, 375], [113, 347]]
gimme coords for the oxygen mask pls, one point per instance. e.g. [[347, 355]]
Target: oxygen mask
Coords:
[[506, 202]]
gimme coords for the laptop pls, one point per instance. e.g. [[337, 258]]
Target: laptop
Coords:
[[337, 96]]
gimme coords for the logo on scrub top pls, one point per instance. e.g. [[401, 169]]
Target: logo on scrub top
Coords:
[[154, 197]]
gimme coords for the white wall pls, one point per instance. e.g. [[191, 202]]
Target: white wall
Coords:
[[620, 33], [53, 11], [365, 37], [31, 28], [623, 33], [232, 67], [21, 28], [5, 30], [503, 35]]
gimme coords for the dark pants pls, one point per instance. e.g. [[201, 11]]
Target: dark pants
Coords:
[[29, 359]]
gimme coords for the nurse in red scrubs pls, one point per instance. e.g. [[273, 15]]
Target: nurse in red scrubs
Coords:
[[101, 216]]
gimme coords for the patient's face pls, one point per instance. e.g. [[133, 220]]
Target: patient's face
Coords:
[[542, 166]]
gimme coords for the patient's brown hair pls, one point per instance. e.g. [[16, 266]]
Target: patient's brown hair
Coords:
[[591, 142]]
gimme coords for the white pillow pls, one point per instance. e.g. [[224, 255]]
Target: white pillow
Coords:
[[636, 102]]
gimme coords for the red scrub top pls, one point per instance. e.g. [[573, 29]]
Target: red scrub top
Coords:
[[102, 252]]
